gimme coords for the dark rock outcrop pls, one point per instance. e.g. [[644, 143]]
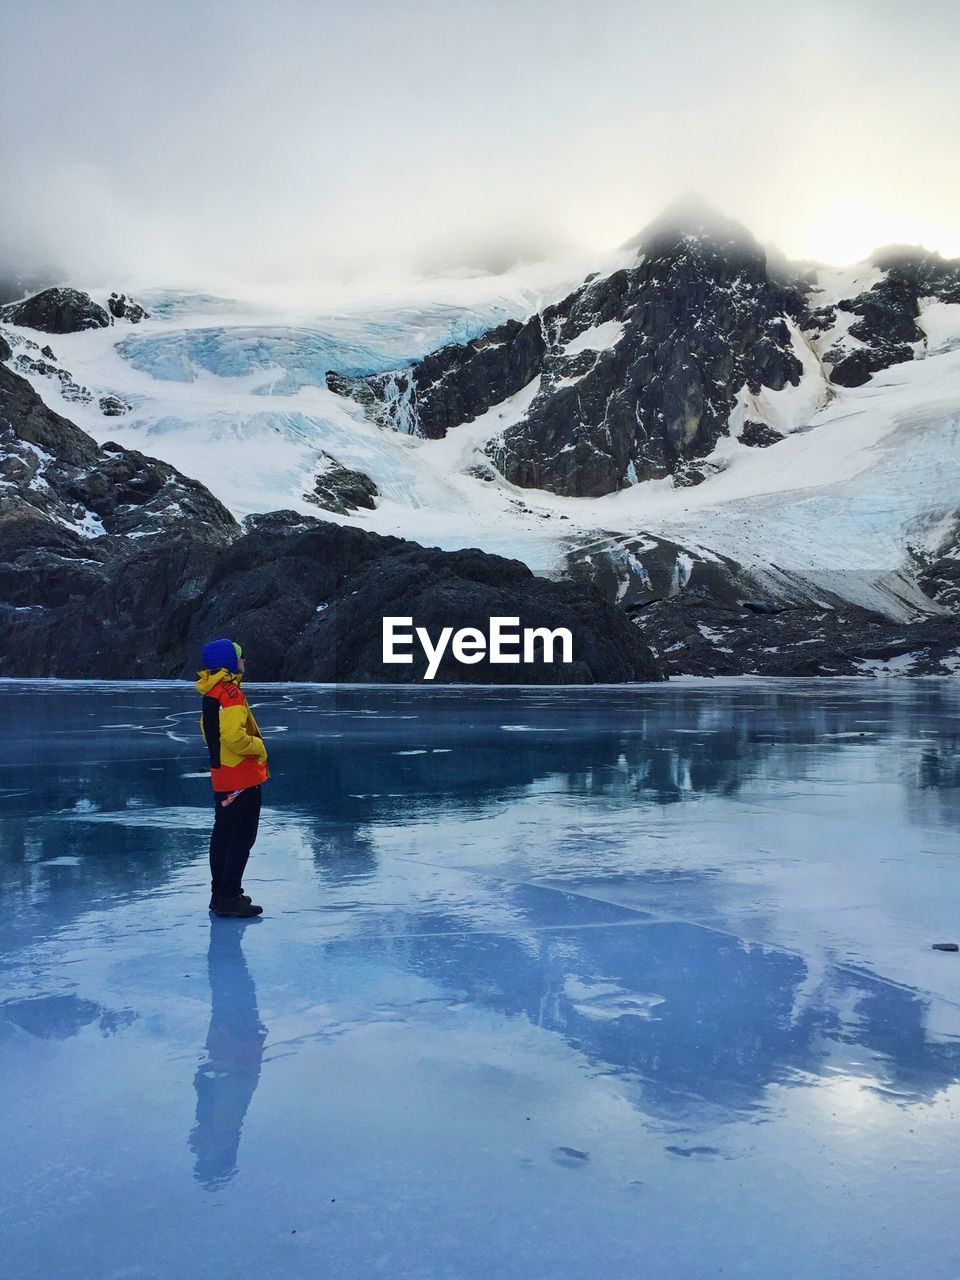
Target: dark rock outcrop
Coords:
[[938, 570], [704, 614], [690, 472], [27, 360], [854, 368], [705, 636], [341, 490], [57, 311], [636, 571], [102, 550], [759, 435], [52, 470], [886, 329], [306, 599], [123, 308], [638, 371], [113, 406], [452, 385]]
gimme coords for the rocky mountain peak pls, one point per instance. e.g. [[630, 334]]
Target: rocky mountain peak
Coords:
[[919, 271], [692, 225], [889, 256], [632, 376]]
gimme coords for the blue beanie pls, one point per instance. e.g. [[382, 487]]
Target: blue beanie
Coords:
[[220, 653]]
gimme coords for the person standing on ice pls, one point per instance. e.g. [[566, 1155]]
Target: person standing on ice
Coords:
[[238, 766]]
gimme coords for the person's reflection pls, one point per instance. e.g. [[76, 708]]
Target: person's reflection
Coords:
[[225, 1082]]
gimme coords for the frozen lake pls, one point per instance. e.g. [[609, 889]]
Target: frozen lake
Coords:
[[610, 983]]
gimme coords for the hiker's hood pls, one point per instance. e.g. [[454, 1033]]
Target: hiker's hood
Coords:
[[207, 679]]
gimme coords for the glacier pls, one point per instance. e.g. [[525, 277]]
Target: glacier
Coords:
[[301, 356]]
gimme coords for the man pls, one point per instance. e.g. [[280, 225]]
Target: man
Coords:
[[238, 765]]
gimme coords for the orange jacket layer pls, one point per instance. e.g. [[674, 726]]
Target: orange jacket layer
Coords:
[[238, 757]]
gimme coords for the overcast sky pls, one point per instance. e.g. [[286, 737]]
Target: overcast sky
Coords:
[[262, 142]]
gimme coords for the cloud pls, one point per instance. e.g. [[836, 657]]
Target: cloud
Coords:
[[251, 144]]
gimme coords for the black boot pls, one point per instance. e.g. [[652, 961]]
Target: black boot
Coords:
[[244, 897], [240, 907]]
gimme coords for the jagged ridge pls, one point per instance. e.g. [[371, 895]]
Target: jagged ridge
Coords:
[[638, 372]]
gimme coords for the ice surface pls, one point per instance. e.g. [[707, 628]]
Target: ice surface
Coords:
[[299, 356], [612, 982]]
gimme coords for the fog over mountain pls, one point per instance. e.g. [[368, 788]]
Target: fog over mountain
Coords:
[[245, 146]]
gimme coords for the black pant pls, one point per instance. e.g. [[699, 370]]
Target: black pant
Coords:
[[234, 832]]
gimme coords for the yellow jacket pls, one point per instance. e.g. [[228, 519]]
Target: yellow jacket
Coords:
[[238, 756]]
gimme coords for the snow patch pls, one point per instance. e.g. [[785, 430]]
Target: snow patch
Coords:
[[599, 337], [834, 284], [901, 665], [463, 446], [792, 406], [940, 321]]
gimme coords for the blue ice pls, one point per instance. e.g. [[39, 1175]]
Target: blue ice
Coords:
[[645, 989], [302, 356]]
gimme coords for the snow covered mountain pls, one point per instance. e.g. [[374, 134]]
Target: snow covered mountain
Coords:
[[695, 422], [678, 369], [628, 378]]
